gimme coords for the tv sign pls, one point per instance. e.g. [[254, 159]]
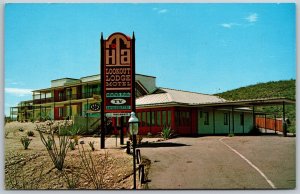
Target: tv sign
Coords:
[[117, 73]]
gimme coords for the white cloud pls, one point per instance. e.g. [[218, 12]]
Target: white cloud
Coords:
[[159, 10], [18, 91], [252, 17], [229, 25], [163, 11]]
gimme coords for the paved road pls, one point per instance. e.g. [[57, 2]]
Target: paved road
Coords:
[[257, 162]]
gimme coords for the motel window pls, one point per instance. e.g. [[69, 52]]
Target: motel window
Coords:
[[206, 118], [60, 112], [152, 118], [158, 118], [164, 118], [140, 118], [177, 118], [187, 121], [60, 95], [242, 119], [148, 119], [182, 118], [144, 119], [125, 120], [169, 118], [225, 118]]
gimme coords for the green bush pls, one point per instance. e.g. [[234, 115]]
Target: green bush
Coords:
[[30, 133], [25, 142], [292, 129], [166, 133], [72, 145]]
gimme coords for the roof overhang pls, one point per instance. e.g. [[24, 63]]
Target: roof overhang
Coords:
[[226, 104], [250, 102]]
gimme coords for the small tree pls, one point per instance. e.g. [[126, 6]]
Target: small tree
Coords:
[[57, 152]]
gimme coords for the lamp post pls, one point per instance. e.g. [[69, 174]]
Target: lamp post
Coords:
[[133, 130]]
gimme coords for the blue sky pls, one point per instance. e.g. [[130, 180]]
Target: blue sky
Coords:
[[206, 48]]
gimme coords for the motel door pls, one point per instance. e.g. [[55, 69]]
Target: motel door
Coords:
[[205, 122]]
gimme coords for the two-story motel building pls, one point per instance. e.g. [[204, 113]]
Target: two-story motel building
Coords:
[[187, 113]]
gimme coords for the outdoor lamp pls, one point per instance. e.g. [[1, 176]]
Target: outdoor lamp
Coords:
[[133, 130], [133, 124]]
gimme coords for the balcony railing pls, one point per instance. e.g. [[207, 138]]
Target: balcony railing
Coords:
[[66, 97]]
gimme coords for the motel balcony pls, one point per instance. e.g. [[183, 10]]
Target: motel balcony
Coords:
[[62, 98]]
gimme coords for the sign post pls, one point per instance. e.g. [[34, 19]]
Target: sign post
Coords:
[[117, 77]]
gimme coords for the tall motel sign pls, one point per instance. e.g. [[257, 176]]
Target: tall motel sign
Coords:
[[117, 78]]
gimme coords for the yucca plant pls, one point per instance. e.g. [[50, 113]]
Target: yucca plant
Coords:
[[25, 142], [166, 133]]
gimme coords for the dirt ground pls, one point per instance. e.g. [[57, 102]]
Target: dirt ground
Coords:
[[33, 168]]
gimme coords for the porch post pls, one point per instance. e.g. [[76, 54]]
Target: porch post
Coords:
[[70, 107], [33, 107], [214, 123], [40, 106], [265, 123], [232, 119], [53, 98], [284, 127], [87, 114], [253, 115], [275, 123], [45, 105]]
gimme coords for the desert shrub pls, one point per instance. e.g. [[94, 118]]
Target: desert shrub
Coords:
[[6, 134], [91, 144], [72, 179], [50, 126], [91, 173], [30, 133], [49, 143], [166, 133], [25, 142], [57, 152], [72, 145]]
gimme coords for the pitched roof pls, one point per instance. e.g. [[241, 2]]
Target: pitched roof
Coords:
[[172, 96]]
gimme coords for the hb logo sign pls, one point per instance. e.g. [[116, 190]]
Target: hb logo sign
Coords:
[[117, 50]]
